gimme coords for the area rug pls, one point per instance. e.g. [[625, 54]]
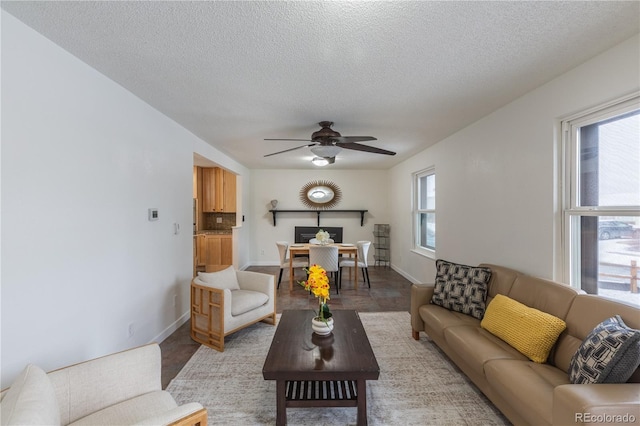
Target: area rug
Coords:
[[418, 385]]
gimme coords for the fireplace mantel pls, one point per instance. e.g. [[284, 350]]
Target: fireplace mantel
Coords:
[[274, 212]]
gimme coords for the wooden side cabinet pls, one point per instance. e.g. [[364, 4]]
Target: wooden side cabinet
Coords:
[[218, 191], [215, 249]]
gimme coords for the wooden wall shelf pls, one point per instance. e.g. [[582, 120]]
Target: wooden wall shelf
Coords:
[[318, 212]]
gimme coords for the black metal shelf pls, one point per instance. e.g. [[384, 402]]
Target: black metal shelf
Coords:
[[362, 212]]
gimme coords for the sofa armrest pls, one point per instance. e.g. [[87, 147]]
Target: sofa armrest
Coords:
[[257, 281], [420, 295], [191, 414], [596, 403], [87, 387]]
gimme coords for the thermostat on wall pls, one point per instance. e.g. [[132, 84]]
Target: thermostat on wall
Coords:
[[153, 214]]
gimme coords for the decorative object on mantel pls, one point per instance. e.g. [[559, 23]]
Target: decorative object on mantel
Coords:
[[318, 284], [274, 204], [320, 194], [317, 212]]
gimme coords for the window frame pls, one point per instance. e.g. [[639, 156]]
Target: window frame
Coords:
[[417, 211], [570, 164]]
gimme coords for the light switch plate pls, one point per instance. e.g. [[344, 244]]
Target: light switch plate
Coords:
[[153, 214]]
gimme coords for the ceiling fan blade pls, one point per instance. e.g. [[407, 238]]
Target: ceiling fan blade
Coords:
[[290, 149], [365, 148], [351, 139], [300, 140]]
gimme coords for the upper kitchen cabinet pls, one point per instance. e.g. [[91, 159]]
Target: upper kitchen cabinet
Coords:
[[218, 191]]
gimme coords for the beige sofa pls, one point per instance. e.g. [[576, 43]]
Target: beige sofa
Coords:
[[119, 389], [527, 392]]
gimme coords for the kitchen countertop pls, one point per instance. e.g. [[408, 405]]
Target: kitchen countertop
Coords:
[[214, 232]]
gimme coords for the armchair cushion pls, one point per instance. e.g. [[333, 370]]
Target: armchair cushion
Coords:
[[222, 279], [246, 300], [31, 400]]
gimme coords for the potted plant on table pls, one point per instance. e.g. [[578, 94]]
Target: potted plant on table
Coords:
[[323, 237], [318, 283]]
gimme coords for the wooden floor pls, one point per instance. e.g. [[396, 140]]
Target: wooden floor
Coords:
[[389, 292]]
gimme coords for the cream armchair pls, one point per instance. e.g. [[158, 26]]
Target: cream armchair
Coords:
[[226, 301], [118, 389]]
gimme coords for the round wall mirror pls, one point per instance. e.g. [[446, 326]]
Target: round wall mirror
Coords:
[[320, 194]]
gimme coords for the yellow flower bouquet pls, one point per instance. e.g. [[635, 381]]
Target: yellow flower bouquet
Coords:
[[318, 283]]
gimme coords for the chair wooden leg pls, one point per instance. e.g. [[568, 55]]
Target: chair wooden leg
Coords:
[[368, 281], [280, 277]]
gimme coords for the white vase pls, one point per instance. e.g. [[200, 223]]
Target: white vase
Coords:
[[321, 327]]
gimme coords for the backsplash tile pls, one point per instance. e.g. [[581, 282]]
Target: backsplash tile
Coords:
[[210, 221]]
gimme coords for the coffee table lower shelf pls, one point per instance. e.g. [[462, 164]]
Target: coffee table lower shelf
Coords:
[[301, 393], [321, 393]]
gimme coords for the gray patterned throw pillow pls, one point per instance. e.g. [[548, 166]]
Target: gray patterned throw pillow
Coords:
[[461, 288], [609, 354]]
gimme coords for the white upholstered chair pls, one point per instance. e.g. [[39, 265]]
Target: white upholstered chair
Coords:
[[298, 262], [327, 257], [226, 301], [349, 262], [122, 388]]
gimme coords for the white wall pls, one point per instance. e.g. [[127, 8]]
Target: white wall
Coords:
[[82, 161], [361, 189], [496, 193]]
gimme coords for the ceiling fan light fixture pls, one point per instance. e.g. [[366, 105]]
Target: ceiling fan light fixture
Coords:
[[326, 150], [319, 161]]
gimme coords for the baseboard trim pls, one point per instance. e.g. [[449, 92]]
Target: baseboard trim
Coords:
[[172, 327]]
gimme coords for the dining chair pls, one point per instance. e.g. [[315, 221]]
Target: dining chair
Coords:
[[349, 262], [298, 261], [327, 257]]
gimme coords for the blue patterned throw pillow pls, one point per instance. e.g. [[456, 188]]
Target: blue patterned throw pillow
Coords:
[[461, 288], [609, 354]]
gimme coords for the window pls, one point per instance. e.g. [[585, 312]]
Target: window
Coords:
[[602, 201], [425, 212]]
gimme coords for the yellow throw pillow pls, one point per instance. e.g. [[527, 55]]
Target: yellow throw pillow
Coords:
[[532, 332]]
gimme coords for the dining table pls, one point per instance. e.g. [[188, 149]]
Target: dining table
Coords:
[[303, 249]]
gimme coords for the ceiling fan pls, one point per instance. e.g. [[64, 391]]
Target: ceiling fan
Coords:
[[327, 143]]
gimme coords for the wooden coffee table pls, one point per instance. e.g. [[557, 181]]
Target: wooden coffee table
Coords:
[[314, 371]]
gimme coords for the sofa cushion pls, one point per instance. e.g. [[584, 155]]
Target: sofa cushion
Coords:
[[246, 300], [437, 319], [31, 400], [477, 346], [461, 288], [530, 331], [609, 354], [131, 411], [526, 386], [224, 279]]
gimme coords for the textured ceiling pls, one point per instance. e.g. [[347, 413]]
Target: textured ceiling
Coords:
[[407, 73]]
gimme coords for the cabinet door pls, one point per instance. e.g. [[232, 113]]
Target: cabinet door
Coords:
[[213, 250], [209, 189], [229, 192], [226, 250], [201, 250]]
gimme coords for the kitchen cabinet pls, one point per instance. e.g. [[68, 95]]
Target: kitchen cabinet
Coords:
[[214, 249], [218, 190]]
